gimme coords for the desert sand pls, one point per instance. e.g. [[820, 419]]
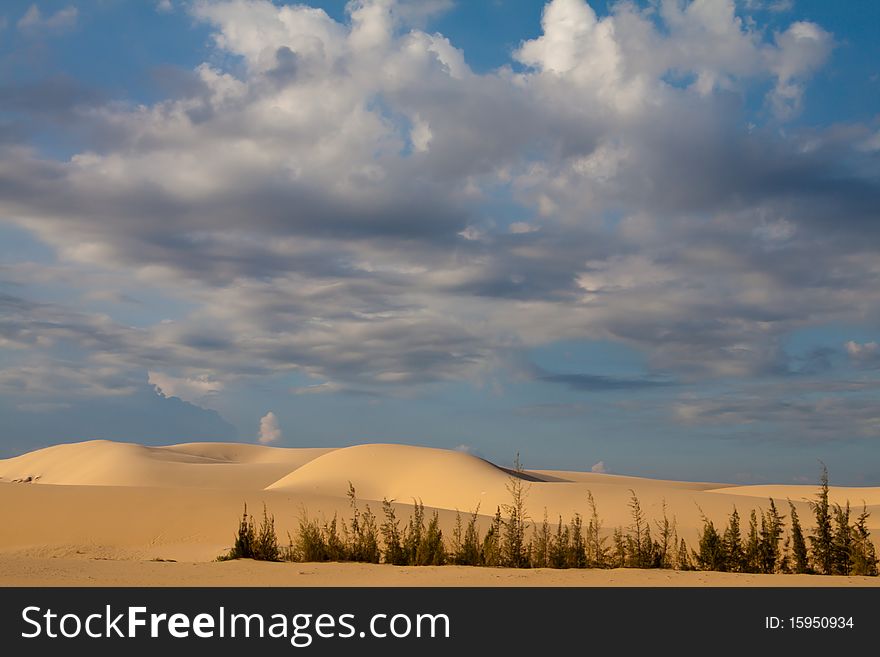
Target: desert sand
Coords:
[[108, 513]]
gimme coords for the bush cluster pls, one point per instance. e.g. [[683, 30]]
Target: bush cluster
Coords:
[[252, 542], [838, 545]]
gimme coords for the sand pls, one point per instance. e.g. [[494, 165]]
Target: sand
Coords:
[[101, 512], [33, 571]]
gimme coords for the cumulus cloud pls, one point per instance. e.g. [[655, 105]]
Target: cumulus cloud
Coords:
[[195, 390], [599, 468], [33, 21], [328, 205], [864, 354], [164, 6], [270, 432]]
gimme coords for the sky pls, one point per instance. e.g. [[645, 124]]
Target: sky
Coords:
[[634, 237]]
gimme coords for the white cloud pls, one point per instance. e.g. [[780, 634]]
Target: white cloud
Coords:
[[472, 234], [420, 135], [164, 6], [779, 230], [270, 432], [33, 20], [523, 227], [599, 468], [196, 390], [801, 49], [623, 60], [864, 354]]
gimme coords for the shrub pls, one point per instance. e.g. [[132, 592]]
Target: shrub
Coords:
[[753, 546], [540, 551], [466, 551], [252, 543], [668, 540], [309, 544], [491, 549], [363, 542], [799, 558], [597, 552], [513, 544], [394, 552], [265, 546], [771, 532], [431, 551], [863, 557], [336, 549], [683, 557], [576, 550], [734, 553], [711, 548], [821, 539], [619, 549], [413, 534], [243, 548]]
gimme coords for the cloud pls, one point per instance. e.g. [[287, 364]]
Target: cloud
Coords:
[[317, 389], [827, 413], [33, 21], [776, 6], [801, 49], [864, 354], [141, 416], [195, 390], [522, 227], [418, 12], [350, 201], [599, 468], [164, 6], [596, 382], [270, 432]]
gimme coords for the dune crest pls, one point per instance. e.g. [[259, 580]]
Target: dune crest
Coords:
[[438, 477], [836, 494], [200, 465]]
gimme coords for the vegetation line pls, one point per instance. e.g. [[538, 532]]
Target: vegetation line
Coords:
[[838, 545]]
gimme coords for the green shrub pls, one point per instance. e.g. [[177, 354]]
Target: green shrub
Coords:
[[837, 545]]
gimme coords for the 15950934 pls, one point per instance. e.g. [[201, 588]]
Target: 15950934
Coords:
[[809, 623]]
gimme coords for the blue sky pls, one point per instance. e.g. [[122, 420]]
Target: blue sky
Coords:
[[636, 236]]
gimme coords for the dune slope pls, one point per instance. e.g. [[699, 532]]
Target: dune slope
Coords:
[[121, 501], [201, 465]]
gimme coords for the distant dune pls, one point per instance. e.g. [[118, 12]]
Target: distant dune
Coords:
[[198, 465], [120, 501]]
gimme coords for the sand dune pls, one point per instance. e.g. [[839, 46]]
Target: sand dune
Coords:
[[439, 477], [836, 494], [120, 501], [201, 465]]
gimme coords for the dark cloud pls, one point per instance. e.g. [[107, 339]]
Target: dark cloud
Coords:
[[583, 382], [826, 416], [143, 417]]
